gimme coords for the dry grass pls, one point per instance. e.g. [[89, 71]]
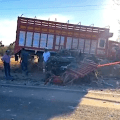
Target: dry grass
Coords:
[[13, 63]]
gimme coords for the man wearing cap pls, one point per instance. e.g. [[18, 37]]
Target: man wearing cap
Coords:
[[46, 56], [6, 60]]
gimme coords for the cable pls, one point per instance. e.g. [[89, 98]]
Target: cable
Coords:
[[3, 1], [73, 10], [55, 7], [66, 11]]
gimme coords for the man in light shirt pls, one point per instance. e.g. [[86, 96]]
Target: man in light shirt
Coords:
[[6, 61], [46, 56]]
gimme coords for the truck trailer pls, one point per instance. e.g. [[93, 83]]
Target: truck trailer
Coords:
[[34, 35]]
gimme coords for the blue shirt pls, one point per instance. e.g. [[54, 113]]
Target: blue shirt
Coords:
[[6, 58], [46, 56]]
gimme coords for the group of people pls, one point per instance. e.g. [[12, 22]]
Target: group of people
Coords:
[[24, 62]]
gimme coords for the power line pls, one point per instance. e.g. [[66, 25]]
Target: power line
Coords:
[[70, 11], [67, 11], [3, 1], [56, 7]]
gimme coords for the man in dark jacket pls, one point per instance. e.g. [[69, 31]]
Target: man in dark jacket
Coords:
[[24, 60]]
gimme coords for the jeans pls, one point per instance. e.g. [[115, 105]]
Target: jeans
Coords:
[[7, 69], [24, 67]]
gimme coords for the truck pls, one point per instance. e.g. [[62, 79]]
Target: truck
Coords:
[[35, 34]]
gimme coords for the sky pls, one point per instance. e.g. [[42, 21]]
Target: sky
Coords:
[[101, 13]]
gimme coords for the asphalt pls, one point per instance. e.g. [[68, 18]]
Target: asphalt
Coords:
[[19, 102], [33, 103], [22, 103]]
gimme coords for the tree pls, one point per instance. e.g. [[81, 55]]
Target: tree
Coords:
[[4, 48], [11, 47]]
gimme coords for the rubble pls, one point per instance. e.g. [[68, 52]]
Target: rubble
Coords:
[[82, 68], [109, 71], [70, 68], [65, 68]]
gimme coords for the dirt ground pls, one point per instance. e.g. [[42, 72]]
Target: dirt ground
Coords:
[[88, 109], [85, 112], [36, 77]]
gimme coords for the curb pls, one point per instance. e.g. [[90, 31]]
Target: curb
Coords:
[[63, 89], [40, 87]]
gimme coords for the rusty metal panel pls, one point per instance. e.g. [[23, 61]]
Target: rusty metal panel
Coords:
[[50, 41], [81, 45], [69, 43], [21, 38], [43, 41], [36, 39], [87, 46], [93, 47], [75, 43], [29, 39]]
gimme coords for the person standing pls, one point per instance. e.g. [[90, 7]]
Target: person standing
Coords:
[[24, 61], [6, 61], [46, 56]]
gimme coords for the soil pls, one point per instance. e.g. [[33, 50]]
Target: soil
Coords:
[[36, 77]]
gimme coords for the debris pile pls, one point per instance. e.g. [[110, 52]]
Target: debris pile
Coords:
[[110, 70], [69, 69], [76, 71]]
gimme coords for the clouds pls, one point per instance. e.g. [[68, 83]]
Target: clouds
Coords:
[[8, 30], [52, 17], [59, 17], [111, 17]]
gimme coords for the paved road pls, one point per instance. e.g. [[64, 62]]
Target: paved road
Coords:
[[20, 103]]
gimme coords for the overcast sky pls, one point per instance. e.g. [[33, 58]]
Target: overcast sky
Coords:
[[101, 13]]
